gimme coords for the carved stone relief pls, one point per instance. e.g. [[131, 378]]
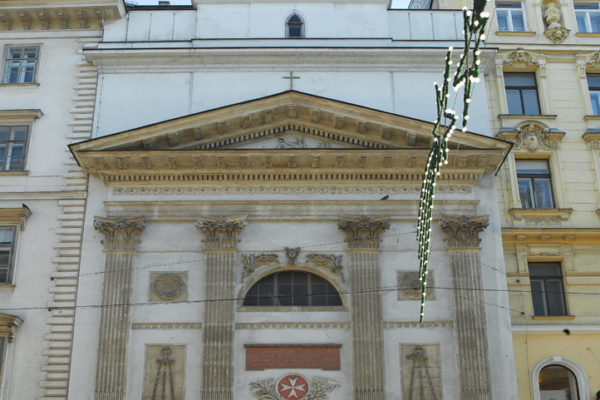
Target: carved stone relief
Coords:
[[421, 372], [251, 262], [532, 136], [363, 231], [293, 387], [520, 58], [168, 286], [409, 285], [555, 31], [164, 373], [119, 233], [327, 262], [593, 60], [221, 232], [463, 232]]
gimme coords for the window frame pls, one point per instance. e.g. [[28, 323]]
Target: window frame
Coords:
[[580, 375], [274, 295], [520, 89], [532, 177], [302, 26], [544, 279], [11, 255], [499, 7], [5, 166], [594, 90], [586, 12], [5, 65]]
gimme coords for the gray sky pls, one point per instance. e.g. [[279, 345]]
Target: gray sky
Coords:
[[395, 3]]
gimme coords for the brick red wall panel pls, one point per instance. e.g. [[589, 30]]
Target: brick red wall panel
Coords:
[[259, 357]]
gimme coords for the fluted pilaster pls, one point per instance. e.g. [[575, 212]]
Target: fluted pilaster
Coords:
[[119, 244], [363, 239], [462, 238], [217, 361]]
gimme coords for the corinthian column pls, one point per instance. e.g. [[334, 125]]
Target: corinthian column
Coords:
[[363, 238], [119, 248], [220, 247], [462, 239]]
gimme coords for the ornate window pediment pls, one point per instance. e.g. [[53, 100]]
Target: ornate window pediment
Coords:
[[521, 58], [533, 136], [267, 140], [7, 325]]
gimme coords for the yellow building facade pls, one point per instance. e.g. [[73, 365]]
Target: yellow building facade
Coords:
[[543, 97]]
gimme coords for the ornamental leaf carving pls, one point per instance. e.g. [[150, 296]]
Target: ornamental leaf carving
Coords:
[[330, 262], [119, 233], [520, 58], [250, 262], [221, 232], [319, 389], [364, 231], [463, 232], [594, 59], [532, 135]]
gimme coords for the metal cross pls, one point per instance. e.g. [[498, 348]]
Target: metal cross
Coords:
[[291, 78]]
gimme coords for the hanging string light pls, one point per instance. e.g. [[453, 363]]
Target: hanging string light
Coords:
[[466, 74]]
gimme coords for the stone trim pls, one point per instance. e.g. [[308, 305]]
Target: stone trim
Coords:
[[166, 325], [292, 325], [19, 116], [413, 324], [541, 216]]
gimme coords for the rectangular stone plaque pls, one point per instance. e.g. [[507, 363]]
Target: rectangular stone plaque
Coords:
[[259, 357], [164, 372], [409, 286], [421, 372]]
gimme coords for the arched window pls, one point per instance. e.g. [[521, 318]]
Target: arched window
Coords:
[[558, 382], [292, 288], [294, 26]]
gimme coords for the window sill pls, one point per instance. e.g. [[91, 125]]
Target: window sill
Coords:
[[588, 34], [552, 317], [515, 33], [562, 214], [19, 84], [14, 173], [591, 117], [527, 116], [290, 308], [7, 288]]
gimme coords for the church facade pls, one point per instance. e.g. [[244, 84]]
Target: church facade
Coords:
[[249, 225]]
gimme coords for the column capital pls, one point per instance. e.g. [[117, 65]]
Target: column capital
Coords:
[[119, 233], [363, 232], [463, 232], [221, 232]]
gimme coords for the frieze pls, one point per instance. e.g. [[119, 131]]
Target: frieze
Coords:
[[119, 233], [250, 262], [293, 387], [283, 189], [166, 325], [292, 325], [416, 324], [463, 232]]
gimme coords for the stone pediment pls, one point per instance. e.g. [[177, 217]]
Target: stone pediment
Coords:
[[290, 135]]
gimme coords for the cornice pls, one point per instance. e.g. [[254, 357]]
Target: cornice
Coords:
[[32, 15], [551, 236], [14, 216], [19, 116], [531, 214], [7, 325]]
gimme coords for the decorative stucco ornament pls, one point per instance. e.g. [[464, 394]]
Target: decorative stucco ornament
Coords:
[[168, 286], [552, 16], [533, 135], [250, 262], [329, 262], [293, 387], [291, 254], [520, 58]]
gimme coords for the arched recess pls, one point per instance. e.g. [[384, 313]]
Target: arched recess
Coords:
[[576, 369], [321, 291], [295, 26]]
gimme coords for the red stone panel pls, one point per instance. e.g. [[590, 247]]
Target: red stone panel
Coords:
[[260, 357]]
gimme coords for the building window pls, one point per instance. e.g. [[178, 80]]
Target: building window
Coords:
[[594, 87], [547, 290], [20, 64], [535, 187], [521, 93], [292, 288], [588, 17], [558, 382], [510, 17], [294, 26], [13, 143], [7, 238]]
